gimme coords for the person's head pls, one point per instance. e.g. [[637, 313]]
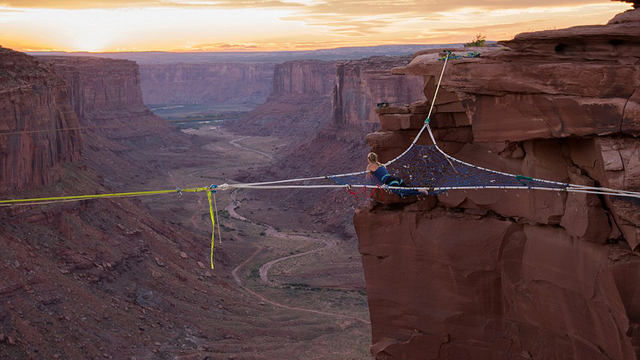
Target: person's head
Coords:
[[373, 158]]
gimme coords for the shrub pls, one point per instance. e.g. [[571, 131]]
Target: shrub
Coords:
[[479, 41]]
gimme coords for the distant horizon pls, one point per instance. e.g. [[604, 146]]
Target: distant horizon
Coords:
[[240, 51], [277, 56], [192, 26]]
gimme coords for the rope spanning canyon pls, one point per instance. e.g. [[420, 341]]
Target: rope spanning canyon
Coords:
[[427, 169]]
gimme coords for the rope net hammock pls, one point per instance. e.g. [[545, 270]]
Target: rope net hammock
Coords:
[[426, 167]]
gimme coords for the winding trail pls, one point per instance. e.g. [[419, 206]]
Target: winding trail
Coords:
[[234, 273], [235, 143], [264, 269]]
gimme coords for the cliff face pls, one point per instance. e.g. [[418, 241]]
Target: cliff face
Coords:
[[307, 96], [101, 89], [299, 104], [33, 101], [310, 78], [237, 83], [362, 84], [106, 96], [488, 274], [77, 279]]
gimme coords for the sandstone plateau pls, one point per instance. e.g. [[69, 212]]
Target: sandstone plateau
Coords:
[[206, 83], [516, 274], [299, 104]]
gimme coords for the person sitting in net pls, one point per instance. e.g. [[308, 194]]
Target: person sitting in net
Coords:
[[380, 172]]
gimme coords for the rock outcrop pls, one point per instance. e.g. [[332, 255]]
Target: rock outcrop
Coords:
[[299, 104], [328, 106], [206, 84], [516, 274], [310, 78], [362, 84], [118, 127], [36, 118]]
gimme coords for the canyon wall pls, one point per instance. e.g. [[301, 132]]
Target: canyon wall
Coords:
[[37, 124], [207, 83], [310, 78], [516, 274], [100, 89], [299, 104], [107, 98], [96, 278], [362, 84], [307, 97]]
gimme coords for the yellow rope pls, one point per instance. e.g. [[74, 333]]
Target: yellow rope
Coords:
[[97, 196], [60, 199], [213, 224], [215, 204]]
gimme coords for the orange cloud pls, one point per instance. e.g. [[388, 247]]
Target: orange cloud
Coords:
[[246, 25]]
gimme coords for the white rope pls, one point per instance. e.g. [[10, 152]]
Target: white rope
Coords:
[[563, 187], [426, 123], [577, 189]]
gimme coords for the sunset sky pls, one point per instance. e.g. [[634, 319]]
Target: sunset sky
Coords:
[[264, 25]]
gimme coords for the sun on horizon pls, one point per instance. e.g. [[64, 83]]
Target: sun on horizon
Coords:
[[190, 25]]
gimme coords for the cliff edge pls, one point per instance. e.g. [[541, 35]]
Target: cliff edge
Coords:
[[516, 274], [36, 118]]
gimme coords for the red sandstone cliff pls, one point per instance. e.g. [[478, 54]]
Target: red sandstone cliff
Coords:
[[95, 278], [121, 134], [299, 104], [516, 274], [212, 83], [330, 104], [33, 101], [362, 84]]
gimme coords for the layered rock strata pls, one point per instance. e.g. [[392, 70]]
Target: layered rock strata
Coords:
[[363, 84], [516, 274], [107, 98], [330, 105], [299, 104], [37, 124], [206, 84]]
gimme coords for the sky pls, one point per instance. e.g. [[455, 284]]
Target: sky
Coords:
[[267, 25]]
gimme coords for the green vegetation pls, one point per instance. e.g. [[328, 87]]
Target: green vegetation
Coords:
[[224, 214], [479, 41]]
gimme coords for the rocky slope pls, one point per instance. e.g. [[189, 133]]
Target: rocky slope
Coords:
[[33, 102], [206, 83], [516, 274]]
